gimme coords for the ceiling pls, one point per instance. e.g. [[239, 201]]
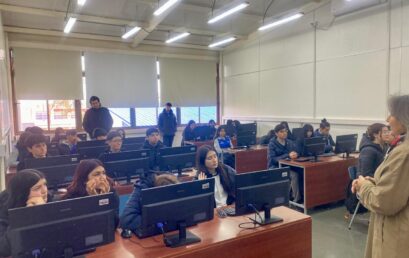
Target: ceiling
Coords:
[[108, 19]]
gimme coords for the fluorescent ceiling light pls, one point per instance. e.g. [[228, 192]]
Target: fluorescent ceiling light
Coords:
[[164, 7], [281, 21], [69, 24], [81, 2], [131, 32], [180, 36], [222, 42], [228, 12]]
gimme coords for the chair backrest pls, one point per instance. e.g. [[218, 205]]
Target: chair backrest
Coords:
[[352, 171]]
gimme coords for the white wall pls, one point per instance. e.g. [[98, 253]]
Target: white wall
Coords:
[[342, 71]]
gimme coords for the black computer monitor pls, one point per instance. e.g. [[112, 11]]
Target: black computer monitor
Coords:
[[177, 150], [177, 163], [52, 161], [127, 169], [315, 146], [262, 191], [133, 140], [53, 149], [203, 133], [124, 155], [58, 176], [346, 144], [82, 136], [247, 135], [176, 207], [62, 229], [91, 152], [131, 146], [298, 133], [93, 143]]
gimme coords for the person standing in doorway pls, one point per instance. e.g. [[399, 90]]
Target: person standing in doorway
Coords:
[[97, 117], [167, 125]]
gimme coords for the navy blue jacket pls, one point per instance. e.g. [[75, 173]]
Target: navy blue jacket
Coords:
[[329, 147], [277, 151], [167, 122], [97, 118], [188, 135], [371, 155], [131, 217]]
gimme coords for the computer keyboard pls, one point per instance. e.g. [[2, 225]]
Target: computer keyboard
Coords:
[[230, 211]]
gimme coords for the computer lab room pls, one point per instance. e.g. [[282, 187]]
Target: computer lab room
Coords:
[[204, 128]]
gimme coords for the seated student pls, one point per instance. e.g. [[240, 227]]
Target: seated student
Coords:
[[208, 165], [58, 135], [121, 132], [290, 136], [230, 129], [90, 179], [99, 134], [188, 132], [212, 125], [222, 144], [27, 188], [265, 140], [324, 131], [71, 141], [21, 147], [36, 145], [282, 148], [308, 132], [153, 144], [131, 215], [371, 155], [114, 141]]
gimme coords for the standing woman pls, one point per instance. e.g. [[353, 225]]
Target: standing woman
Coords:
[[208, 165], [27, 188], [90, 179], [387, 194]]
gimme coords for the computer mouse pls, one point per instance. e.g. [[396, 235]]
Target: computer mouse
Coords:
[[126, 233]]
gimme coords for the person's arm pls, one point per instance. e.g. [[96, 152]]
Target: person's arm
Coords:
[[109, 120], [273, 156], [131, 216], [217, 146], [86, 123], [175, 123], [160, 123], [366, 161], [390, 194]]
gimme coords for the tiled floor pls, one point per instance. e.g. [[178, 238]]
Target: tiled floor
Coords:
[[331, 237]]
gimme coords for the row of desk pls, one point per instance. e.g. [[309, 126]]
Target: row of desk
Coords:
[[222, 237]]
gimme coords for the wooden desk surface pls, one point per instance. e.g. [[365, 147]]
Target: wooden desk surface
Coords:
[[322, 161], [223, 238]]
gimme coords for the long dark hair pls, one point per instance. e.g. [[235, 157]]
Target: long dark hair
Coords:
[[201, 167], [374, 129], [324, 124], [19, 188], [78, 186], [219, 129], [189, 124]]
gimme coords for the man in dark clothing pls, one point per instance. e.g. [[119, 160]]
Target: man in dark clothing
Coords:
[[97, 117], [167, 125], [153, 144], [281, 148]]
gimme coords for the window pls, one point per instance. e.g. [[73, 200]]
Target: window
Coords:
[[198, 114], [208, 113], [62, 113], [32, 113], [121, 117], [189, 113], [146, 116]]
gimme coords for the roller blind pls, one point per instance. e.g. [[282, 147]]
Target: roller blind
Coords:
[[121, 81], [47, 74], [187, 83]]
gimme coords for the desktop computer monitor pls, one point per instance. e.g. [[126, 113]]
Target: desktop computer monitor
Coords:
[[262, 190], [58, 176], [64, 228], [131, 146], [176, 163], [133, 140], [127, 169], [176, 207], [82, 136], [91, 152], [52, 161], [177, 150], [315, 146], [93, 143], [247, 135], [203, 133], [124, 155], [346, 143]]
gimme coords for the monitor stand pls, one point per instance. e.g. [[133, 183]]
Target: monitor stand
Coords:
[[345, 155], [315, 159], [268, 218], [184, 237]]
